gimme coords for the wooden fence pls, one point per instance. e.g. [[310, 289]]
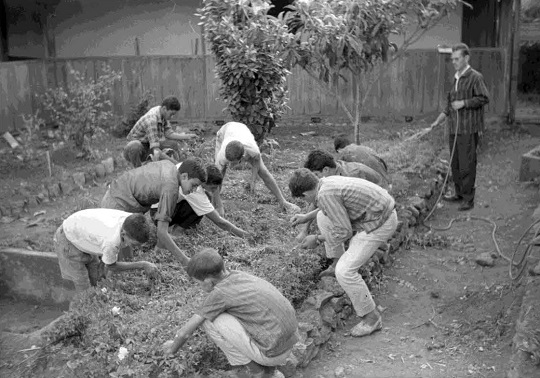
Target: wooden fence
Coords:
[[415, 84]]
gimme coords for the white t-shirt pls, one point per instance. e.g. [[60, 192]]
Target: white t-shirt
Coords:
[[198, 200], [96, 231], [234, 131]]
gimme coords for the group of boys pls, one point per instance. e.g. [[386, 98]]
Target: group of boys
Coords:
[[247, 317]]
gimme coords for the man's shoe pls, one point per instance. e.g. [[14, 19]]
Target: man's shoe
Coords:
[[466, 206], [453, 198]]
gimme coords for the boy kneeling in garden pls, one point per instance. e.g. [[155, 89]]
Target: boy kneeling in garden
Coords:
[[246, 316], [87, 235]]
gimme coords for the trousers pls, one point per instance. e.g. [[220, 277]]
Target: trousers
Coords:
[[463, 164]]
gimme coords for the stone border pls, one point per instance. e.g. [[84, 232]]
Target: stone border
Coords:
[[55, 188], [328, 307]]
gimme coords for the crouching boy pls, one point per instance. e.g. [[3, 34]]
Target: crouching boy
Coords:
[[246, 316], [87, 235]]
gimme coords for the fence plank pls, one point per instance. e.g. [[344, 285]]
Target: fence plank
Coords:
[[415, 84]]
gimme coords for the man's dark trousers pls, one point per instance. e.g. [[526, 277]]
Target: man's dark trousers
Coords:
[[464, 164]]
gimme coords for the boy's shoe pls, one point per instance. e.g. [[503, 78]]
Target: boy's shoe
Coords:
[[364, 329]]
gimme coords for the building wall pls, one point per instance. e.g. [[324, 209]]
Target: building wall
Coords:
[[86, 28]]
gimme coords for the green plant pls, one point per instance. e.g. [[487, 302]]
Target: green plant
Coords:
[[336, 36], [248, 47], [136, 112], [81, 108]]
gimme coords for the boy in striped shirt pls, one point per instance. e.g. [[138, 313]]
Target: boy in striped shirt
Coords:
[[349, 209]]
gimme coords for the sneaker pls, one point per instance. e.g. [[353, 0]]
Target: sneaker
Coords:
[[364, 329], [452, 198]]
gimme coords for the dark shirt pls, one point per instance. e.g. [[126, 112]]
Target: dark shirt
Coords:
[[138, 189], [472, 89], [266, 315]]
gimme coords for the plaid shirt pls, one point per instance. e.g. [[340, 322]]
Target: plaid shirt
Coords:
[[471, 88], [353, 204], [151, 128]]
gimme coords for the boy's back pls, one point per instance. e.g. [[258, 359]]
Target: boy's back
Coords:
[[267, 316]]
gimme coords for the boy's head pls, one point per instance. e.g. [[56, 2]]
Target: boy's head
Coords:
[[169, 107], [234, 151], [320, 162], [341, 142], [191, 174], [303, 183], [206, 267], [135, 230], [214, 178]]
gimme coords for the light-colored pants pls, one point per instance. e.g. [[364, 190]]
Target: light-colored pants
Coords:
[[361, 247], [231, 337]]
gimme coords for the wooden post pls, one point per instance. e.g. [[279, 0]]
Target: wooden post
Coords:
[[4, 50], [49, 40], [137, 47], [514, 67]]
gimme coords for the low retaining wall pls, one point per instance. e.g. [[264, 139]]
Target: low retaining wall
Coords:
[[33, 276], [328, 307]]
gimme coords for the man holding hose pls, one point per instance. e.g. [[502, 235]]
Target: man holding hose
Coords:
[[464, 114]]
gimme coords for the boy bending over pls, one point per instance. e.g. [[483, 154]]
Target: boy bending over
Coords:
[[235, 144], [247, 317], [87, 235]]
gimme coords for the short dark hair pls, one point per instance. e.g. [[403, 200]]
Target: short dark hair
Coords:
[[171, 103], [137, 227], [341, 142], [461, 47], [234, 150], [213, 175], [205, 263], [301, 181], [318, 159], [194, 169]]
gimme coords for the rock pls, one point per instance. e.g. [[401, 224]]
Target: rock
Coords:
[[109, 165], [414, 211], [305, 352], [79, 179], [5, 210], [318, 298], [339, 372], [312, 317], [338, 303], [395, 243], [418, 202], [32, 202], [328, 316], [89, 177], [331, 285], [289, 369], [43, 197], [54, 190], [100, 170], [485, 259], [17, 207]]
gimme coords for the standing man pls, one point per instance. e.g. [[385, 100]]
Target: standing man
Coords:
[[350, 209], [135, 191], [152, 134], [191, 208], [464, 114], [236, 144]]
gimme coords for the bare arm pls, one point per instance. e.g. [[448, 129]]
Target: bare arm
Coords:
[[226, 225], [258, 166], [181, 136], [185, 332], [121, 266], [165, 241], [439, 119]]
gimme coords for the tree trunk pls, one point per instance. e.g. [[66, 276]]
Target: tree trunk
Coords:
[[49, 40], [357, 110], [4, 46]]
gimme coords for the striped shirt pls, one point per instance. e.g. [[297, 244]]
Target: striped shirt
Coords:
[[353, 204], [266, 315], [364, 155], [151, 128], [471, 88]]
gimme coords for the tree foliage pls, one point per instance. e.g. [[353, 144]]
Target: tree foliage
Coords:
[[248, 47], [354, 35]]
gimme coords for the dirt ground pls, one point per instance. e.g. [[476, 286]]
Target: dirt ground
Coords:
[[444, 315]]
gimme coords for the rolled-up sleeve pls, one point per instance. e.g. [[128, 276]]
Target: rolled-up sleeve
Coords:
[[167, 204]]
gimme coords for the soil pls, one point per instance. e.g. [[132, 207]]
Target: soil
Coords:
[[443, 314]]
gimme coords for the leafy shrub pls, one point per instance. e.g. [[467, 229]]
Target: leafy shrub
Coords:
[[136, 112], [83, 107]]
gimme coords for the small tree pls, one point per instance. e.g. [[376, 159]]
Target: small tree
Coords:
[[248, 47], [83, 107], [353, 35]]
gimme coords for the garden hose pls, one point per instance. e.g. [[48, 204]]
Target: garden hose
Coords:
[[522, 263]]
